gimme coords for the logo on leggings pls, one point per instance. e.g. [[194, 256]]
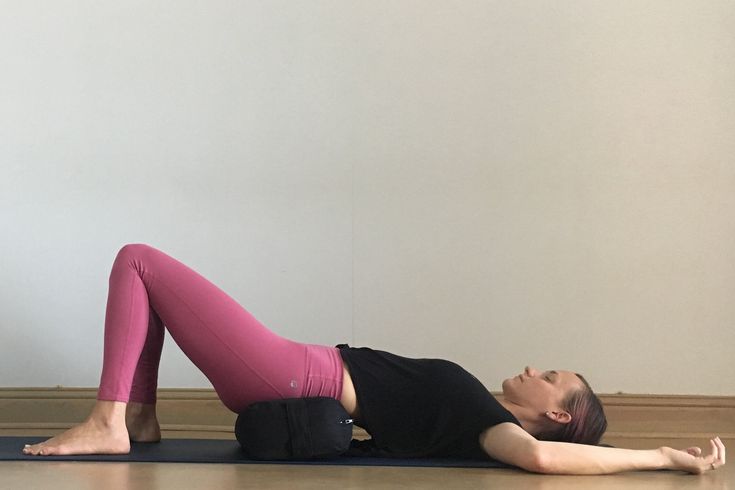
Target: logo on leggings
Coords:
[[294, 384]]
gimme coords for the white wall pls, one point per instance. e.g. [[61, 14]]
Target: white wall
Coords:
[[496, 183]]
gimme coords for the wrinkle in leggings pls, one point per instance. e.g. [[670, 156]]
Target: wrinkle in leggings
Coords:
[[151, 292]]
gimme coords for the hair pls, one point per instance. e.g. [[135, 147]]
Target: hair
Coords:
[[588, 422]]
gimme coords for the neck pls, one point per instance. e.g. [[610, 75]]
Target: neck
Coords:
[[527, 418]]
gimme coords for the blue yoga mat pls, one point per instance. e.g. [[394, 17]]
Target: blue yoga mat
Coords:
[[220, 451]]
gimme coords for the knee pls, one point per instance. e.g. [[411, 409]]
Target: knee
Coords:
[[132, 250]]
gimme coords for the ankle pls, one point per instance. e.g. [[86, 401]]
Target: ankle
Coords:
[[108, 413], [137, 410]]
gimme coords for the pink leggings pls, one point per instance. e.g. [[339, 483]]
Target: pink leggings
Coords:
[[244, 361]]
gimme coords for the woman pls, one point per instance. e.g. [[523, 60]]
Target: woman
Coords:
[[411, 407]]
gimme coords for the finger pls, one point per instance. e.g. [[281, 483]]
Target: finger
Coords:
[[713, 459], [694, 451], [718, 448], [721, 448]]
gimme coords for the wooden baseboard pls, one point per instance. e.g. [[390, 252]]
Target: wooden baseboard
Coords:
[[200, 413], [37, 411]]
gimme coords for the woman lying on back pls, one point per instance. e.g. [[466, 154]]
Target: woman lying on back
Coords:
[[546, 422]]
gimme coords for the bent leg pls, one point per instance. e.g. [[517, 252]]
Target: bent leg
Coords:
[[244, 361]]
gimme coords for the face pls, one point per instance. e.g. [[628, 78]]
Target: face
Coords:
[[540, 390]]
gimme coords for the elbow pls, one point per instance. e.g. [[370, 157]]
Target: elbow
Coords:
[[538, 461]]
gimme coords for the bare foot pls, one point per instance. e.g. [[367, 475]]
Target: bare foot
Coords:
[[103, 432], [142, 423]]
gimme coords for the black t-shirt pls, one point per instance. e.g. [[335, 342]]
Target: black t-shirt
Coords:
[[421, 407]]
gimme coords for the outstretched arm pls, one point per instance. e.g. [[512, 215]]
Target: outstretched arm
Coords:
[[511, 444]]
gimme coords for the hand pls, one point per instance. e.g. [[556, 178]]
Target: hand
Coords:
[[692, 460]]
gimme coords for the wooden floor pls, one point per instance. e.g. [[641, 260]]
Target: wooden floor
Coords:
[[160, 476]]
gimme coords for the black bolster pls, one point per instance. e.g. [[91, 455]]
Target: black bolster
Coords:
[[298, 428]]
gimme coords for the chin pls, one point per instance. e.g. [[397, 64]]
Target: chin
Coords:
[[505, 383]]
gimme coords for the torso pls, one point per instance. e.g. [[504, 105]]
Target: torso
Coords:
[[349, 397]]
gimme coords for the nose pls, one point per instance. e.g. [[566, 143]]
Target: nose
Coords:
[[531, 371]]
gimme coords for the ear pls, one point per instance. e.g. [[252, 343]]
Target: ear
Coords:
[[560, 417]]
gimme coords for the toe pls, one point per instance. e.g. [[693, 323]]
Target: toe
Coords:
[[30, 449], [46, 450]]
